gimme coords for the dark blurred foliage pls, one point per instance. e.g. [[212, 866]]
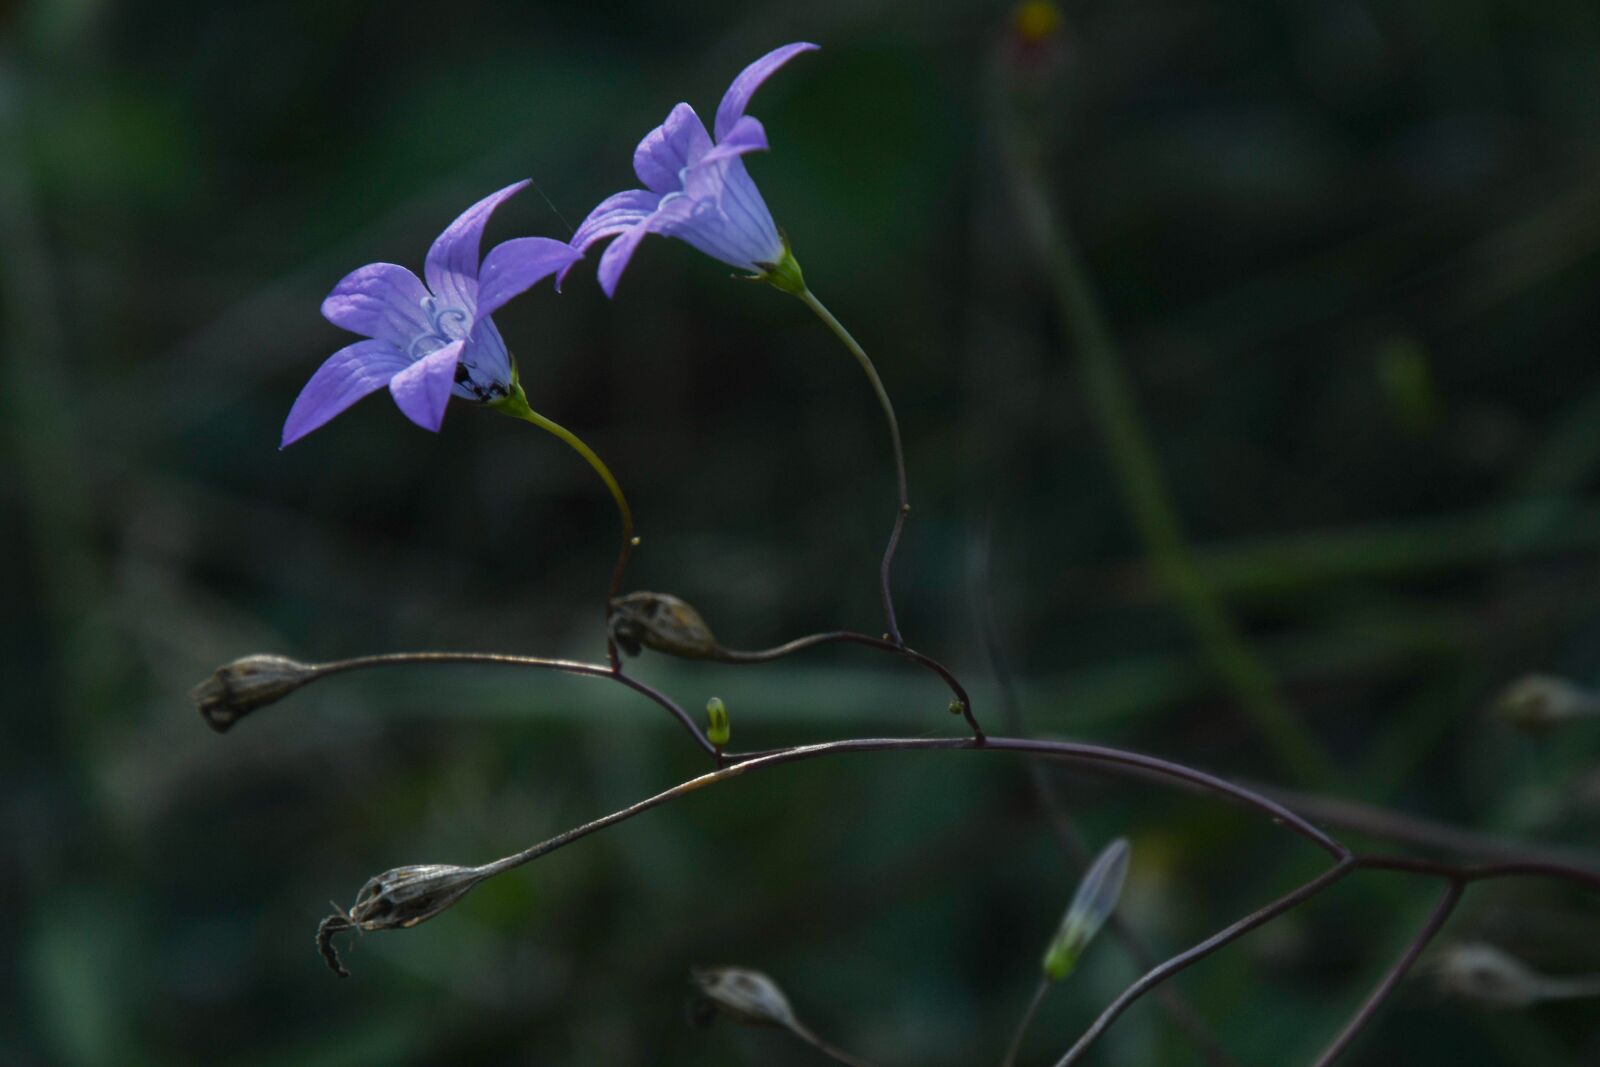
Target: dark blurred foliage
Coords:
[[1349, 248]]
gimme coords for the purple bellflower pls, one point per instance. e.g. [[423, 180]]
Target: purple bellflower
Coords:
[[697, 189], [427, 342]]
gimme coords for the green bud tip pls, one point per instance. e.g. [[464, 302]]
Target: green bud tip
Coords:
[[1091, 906], [717, 713]]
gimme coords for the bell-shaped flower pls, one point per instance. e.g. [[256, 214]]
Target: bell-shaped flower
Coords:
[[427, 342], [696, 188]]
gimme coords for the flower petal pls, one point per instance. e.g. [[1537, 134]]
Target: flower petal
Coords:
[[486, 363], [747, 135], [737, 98], [344, 377], [452, 264], [729, 221], [617, 255], [380, 300], [614, 214], [423, 389], [677, 143], [674, 210], [517, 265]]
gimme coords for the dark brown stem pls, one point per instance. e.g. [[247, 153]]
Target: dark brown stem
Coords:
[[1441, 912], [1172, 1001], [629, 543], [500, 659], [800, 644]]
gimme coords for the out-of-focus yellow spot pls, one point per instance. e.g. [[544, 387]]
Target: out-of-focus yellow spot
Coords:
[[1036, 21]]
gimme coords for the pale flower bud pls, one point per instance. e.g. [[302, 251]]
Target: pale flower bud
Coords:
[[1091, 906], [238, 688]]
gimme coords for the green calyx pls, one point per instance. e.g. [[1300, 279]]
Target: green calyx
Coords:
[[515, 402], [784, 274]]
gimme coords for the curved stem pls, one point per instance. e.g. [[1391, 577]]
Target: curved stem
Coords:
[[565, 666], [800, 644], [1025, 1022], [1156, 975], [1441, 912], [838, 1055], [810, 300], [516, 405], [1172, 1000], [737, 764]]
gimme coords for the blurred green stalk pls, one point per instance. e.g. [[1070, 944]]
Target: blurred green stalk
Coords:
[[1141, 481]]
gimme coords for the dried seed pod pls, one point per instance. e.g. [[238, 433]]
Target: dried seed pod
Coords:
[[396, 900], [236, 689], [661, 622], [1478, 971], [1539, 703], [745, 996], [407, 896]]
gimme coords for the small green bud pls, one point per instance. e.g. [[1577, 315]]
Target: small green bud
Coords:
[[236, 689], [1091, 906], [717, 713]]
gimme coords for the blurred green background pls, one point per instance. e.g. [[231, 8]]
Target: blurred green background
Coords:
[[1350, 251]]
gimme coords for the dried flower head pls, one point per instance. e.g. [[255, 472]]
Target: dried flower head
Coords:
[[745, 996], [1539, 703], [1478, 971], [236, 689], [661, 622], [397, 900]]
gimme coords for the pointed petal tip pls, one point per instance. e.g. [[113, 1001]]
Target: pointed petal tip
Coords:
[[748, 80]]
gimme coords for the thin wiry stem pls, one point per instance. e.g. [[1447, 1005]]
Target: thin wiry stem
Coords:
[[1156, 975], [516, 405], [810, 300], [1026, 1021], [800, 644], [501, 659], [839, 1055], [1441, 912], [1345, 861], [1173, 1002]]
